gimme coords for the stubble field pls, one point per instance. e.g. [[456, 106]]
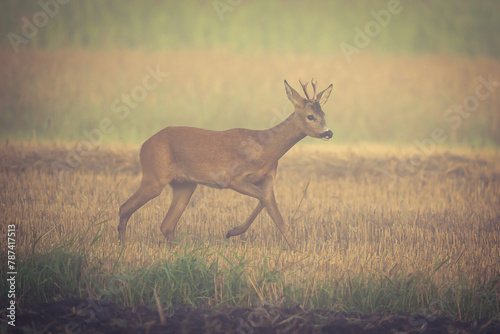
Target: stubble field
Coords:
[[398, 237], [380, 229], [371, 236]]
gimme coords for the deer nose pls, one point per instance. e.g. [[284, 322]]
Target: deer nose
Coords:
[[326, 135]]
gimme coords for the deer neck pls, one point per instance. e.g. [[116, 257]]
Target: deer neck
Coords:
[[281, 138]]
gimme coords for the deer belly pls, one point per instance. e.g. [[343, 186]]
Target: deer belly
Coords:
[[214, 178]]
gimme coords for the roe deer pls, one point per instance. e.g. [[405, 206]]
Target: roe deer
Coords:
[[241, 159]]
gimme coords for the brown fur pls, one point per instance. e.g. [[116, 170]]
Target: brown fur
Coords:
[[241, 159]]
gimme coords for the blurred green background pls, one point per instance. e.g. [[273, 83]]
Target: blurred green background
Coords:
[[460, 27], [65, 64]]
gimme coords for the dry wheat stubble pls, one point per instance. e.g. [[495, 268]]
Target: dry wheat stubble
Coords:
[[351, 220]]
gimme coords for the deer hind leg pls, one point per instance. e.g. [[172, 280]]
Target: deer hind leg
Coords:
[[182, 192], [244, 227], [149, 189]]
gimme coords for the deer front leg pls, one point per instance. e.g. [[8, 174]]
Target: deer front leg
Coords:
[[274, 212], [266, 197], [244, 227]]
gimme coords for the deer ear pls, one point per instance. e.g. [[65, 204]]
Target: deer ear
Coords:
[[323, 96], [293, 95]]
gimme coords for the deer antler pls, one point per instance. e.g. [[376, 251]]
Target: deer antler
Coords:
[[313, 84], [304, 88]]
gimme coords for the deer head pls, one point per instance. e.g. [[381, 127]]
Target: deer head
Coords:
[[308, 110]]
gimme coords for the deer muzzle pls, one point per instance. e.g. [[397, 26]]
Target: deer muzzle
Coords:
[[326, 135]]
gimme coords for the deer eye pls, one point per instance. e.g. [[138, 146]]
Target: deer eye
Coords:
[[310, 117]]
